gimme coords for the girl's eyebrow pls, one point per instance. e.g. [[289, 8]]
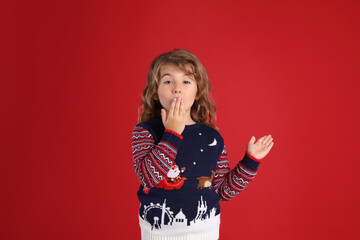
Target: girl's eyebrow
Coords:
[[166, 74], [169, 74]]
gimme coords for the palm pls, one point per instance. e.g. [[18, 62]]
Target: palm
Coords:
[[261, 147]]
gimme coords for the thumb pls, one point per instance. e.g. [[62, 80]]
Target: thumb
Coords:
[[252, 140], [163, 115]]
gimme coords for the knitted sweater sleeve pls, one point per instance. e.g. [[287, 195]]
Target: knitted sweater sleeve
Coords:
[[228, 183], [153, 161]]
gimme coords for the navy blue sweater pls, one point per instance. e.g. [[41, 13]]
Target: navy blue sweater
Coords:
[[183, 177]]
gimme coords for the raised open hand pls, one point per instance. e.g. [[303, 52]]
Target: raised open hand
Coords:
[[175, 119], [260, 148]]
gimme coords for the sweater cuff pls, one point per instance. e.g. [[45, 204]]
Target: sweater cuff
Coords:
[[168, 130], [252, 157], [173, 138], [250, 162]]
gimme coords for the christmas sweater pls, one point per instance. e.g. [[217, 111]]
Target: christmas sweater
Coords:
[[183, 178]]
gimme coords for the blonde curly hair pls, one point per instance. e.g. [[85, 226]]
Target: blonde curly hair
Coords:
[[202, 111]]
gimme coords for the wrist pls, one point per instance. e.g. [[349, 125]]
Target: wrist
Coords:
[[253, 157]]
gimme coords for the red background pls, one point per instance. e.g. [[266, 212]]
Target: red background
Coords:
[[72, 74]]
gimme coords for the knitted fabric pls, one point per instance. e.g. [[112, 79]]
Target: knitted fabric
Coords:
[[183, 178]]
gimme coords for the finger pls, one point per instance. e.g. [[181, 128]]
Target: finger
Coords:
[[163, 116], [267, 143], [252, 140], [182, 109], [177, 107], [261, 140], [270, 146], [267, 137], [172, 107]]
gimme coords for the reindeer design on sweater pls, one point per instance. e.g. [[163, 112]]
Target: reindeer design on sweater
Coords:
[[206, 182]]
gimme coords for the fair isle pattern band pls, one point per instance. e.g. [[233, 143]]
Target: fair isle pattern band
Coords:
[[151, 162], [228, 183]]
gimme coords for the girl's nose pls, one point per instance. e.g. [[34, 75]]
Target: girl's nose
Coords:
[[177, 89]]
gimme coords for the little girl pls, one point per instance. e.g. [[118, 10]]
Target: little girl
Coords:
[[180, 158]]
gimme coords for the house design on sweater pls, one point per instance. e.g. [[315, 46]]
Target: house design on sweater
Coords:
[[167, 220]]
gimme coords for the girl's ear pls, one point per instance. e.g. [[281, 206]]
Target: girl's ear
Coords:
[[156, 97]]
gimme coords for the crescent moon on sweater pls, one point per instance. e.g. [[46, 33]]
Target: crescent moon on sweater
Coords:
[[213, 143]]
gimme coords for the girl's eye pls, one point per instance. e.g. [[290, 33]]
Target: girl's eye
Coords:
[[168, 82]]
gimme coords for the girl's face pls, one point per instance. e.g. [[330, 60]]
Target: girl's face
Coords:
[[176, 83]]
